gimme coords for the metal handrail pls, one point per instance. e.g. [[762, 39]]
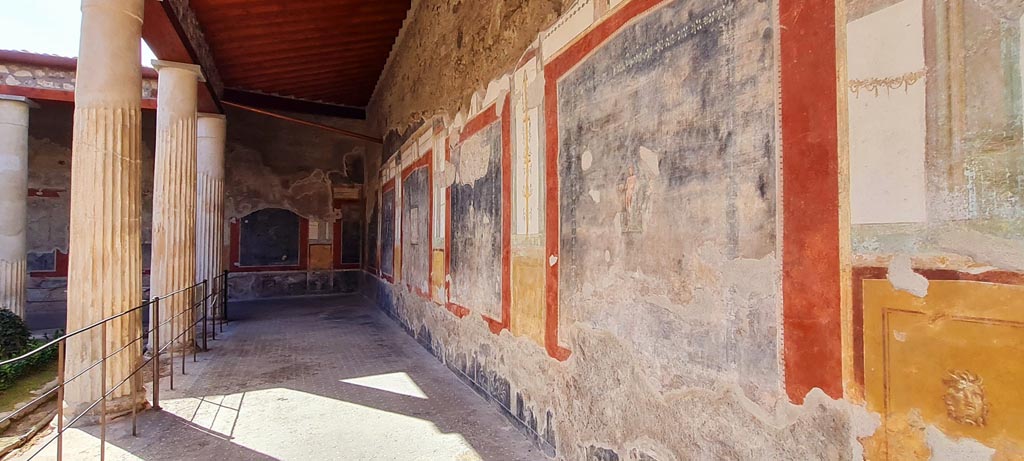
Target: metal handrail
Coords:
[[209, 302]]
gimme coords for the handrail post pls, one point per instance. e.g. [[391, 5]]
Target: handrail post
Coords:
[[184, 330], [170, 346], [60, 399], [188, 316], [210, 309], [133, 381], [224, 307], [206, 310], [156, 353], [192, 317], [103, 391]]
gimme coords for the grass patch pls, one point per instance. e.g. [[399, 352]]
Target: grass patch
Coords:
[[23, 387]]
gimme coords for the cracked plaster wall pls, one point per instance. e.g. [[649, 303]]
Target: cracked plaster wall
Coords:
[[953, 183], [668, 363], [972, 170], [271, 163]]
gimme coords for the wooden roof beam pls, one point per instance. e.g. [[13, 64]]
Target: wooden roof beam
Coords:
[[171, 30]]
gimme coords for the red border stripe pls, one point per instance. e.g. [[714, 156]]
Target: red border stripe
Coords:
[[812, 322]]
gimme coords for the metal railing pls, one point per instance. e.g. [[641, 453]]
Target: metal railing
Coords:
[[205, 305]]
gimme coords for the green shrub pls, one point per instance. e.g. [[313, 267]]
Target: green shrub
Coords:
[[14, 335], [9, 374]]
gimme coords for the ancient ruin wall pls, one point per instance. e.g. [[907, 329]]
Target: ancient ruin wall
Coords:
[[449, 49], [638, 312], [314, 174]]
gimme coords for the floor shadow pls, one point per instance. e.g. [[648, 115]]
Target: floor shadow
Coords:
[[320, 378]]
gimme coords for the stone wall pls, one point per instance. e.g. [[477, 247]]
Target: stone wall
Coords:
[[313, 173], [448, 50], [637, 310], [15, 74]]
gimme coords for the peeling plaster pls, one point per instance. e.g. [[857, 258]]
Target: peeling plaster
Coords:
[[614, 403], [902, 277], [946, 449]]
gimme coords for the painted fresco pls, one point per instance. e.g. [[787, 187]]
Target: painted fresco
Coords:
[[476, 223], [667, 191], [387, 233], [269, 237], [372, 237], [416, 229], [351, 242], [939, 277]]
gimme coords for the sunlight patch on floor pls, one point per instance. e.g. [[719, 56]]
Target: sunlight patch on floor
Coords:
[[398, 383], [285, 423]]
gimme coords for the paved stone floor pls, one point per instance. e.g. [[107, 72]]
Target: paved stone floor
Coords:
[[312, 379]]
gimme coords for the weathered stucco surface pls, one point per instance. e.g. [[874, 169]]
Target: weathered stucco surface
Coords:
[[450, 48], [277, 164], [602, 403], [943, 80], [669, 267], [273, 163]]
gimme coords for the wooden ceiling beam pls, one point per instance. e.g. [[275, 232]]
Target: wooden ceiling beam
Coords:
[[256, 28], [221, 8], [346, 133], [301, 69], [298, 78], [169, 39], [329, 91], [271, 43], [331, 95], [331, 50], [274, 102], [325, 89], [315, 57]]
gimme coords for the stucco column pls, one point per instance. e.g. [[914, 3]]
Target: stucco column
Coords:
[[13, 201], [105, 260], [174, 199], [210, 198]]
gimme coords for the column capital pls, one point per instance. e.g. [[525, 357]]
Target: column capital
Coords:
[[212, 115], [161, 65], [27, 101]]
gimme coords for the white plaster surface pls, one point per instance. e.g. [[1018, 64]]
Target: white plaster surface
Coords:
[[902, 277], [574, 21], [887, 131], [947, 449]]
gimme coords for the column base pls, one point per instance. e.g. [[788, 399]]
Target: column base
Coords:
[[116, 408]]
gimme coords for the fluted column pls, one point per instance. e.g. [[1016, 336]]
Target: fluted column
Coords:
[[105, 261], [210, 198], [13, 201], [174, 199]]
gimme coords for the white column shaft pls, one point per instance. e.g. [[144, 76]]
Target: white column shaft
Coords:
[[13, 202], [210, 198], [174, 201], [105, 260]]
